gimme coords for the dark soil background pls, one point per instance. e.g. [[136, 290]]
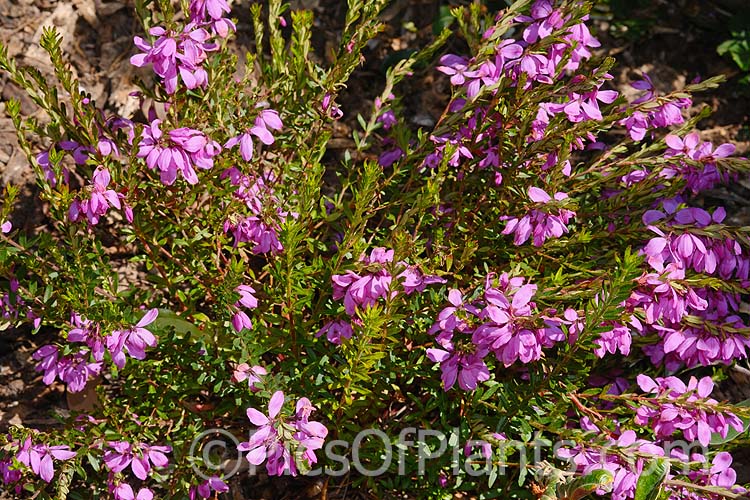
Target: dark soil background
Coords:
[[674, 41]]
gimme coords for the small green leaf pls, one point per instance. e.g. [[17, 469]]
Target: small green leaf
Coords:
[[582, 486], [651, 479], [443, 20]]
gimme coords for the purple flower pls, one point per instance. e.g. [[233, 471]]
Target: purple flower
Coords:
[[463, 364], [625, 473], [89, 333], [583, 107], [240, 320], [685, 408], [265, 440], [174, 55], [414, 280], [204, 490], [390, 156], [618, 338], [215, 9], [455, 317], [537, 222], [179, 152], [271, 441], [140, 457], [211, 12], [134, 340], [363, 291], [264, 234], [100, 198], [646, 85], [266, 119], [9, 475], [455, 67], [336, 330], [329, 107], [39, 458], [48, 357], [719, 474], [124, 491], [79, 151], [637, 124], [253, 375], [74, 369]]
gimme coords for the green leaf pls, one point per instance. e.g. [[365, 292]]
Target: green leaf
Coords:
[[167, 318], [651, 479], [443, 20], [582, 486]]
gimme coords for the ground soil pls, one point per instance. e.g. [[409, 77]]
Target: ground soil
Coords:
[[675, 42]]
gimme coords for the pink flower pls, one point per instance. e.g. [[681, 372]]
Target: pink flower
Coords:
[[179, 152], [685, 408], [266, 119], [539, 222], [139, 457], [204, 490], [134, 340], [100, 198], [265, 443], [124, 491], [336, 330], [174, 55], [271, 442], [466, 367], [253, 375], [240, 320], [39, 458]]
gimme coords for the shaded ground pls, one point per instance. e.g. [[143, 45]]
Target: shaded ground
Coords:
[[674, 42]]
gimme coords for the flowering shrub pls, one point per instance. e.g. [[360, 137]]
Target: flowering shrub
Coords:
[[534, 269]]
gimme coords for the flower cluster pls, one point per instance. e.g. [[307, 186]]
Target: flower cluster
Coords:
[[664, 299], [76, 368], [100, 199], [175, 56], [650, 112], [283, 443], [240, 320], [266, 119], [506, 323], [140, 457], [39, 458], [363, 290], [611, 457], [211, 13], [263, 224], [179, 151], [719, 474], [686, 408], [625, 475], [539, 224], [12, 304]]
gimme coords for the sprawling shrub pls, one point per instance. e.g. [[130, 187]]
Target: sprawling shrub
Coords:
[[526, 300]]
